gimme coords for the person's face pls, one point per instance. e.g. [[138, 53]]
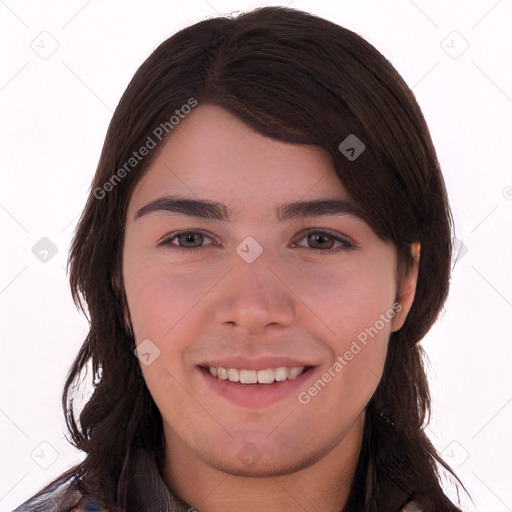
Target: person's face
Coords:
[[292, 308]]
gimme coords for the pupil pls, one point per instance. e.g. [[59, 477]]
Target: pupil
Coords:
[[320, 238], [190, 237]]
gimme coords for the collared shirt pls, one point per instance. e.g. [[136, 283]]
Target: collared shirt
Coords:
[[149, 491]]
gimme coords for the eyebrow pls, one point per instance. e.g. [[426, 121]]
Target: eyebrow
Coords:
[[212, 210]]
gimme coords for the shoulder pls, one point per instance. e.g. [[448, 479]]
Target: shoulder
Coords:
[[65, 497], [89, 504]]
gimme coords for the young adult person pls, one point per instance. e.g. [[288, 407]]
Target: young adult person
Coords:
[[266, 241]]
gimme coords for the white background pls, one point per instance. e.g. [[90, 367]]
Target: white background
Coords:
[[55, 113]]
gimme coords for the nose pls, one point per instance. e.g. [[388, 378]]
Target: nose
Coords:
[[255, 296]]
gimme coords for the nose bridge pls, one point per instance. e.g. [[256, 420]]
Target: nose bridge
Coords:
[[253, 296]]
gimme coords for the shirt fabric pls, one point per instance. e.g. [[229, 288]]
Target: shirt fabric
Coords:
[[150, 493]]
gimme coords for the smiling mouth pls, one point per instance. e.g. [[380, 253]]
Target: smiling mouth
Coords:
[[266, 376]]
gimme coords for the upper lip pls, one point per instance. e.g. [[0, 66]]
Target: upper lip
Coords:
[[259, 363]]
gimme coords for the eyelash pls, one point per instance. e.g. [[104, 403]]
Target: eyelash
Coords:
[[346, 245]]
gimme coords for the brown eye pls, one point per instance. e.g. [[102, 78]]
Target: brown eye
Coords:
[[320, 239], [186, 240], [324, 242]]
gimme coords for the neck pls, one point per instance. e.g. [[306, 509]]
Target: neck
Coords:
[[323, 485]]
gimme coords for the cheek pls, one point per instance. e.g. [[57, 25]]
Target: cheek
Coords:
[[364, 326], [161, 301], [163, 309], [357, 356], [356, 309], [350, 298]]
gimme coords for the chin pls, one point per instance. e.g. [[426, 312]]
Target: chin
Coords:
[[263, 467], [256, 457]]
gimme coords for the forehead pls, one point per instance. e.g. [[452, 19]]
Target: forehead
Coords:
[[213, 154]]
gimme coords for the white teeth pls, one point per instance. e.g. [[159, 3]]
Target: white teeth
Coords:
[[280, 374], [233, 375], [294, 373], [248, 376], [267, 376], [222, 373]]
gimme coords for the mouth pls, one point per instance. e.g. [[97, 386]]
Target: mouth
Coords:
[[252, 388]]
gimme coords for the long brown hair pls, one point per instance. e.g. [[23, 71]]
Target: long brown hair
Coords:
[[297, 78]]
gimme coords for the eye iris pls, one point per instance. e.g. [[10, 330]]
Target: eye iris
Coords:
[[316, 237], [189, 237]]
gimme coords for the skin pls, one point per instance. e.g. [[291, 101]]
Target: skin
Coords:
[[291, 300]]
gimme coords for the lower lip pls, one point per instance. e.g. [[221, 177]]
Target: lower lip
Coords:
[[256, 396]]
